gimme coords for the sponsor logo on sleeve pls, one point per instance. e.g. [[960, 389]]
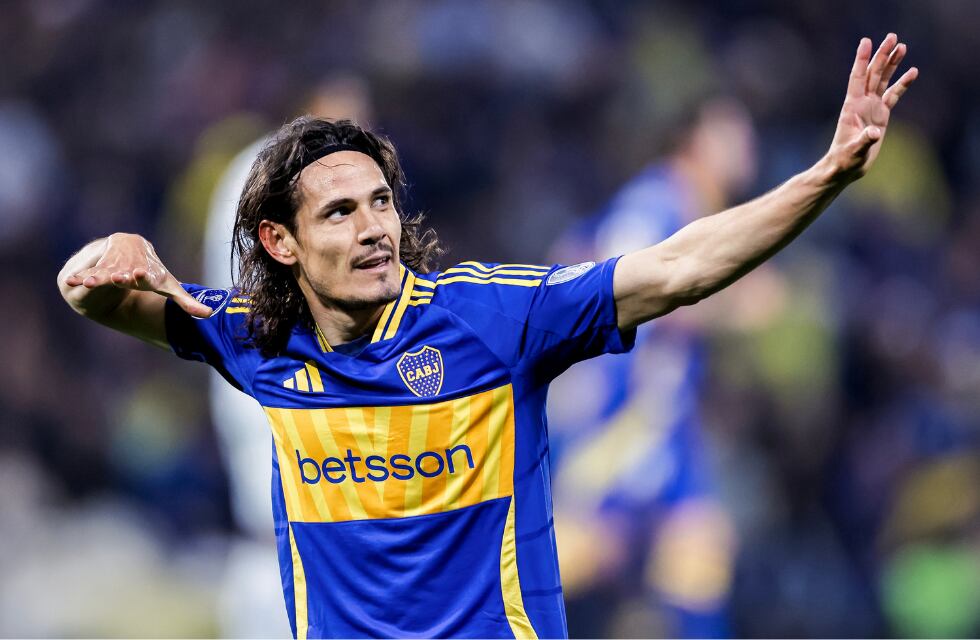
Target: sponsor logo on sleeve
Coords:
[[569, 273]]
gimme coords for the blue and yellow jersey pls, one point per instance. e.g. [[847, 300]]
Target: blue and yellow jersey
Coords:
[[411, 481]]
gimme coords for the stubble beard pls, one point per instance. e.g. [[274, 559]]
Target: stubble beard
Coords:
[[388, 293]]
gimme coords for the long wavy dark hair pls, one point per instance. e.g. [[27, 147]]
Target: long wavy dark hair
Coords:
[[271, 193]]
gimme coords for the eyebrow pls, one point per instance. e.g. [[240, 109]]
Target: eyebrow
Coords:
[[333, 204]]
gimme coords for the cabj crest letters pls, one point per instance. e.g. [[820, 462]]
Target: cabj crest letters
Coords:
[[422, 371]]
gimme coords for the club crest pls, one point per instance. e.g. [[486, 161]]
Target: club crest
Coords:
[[421, 371]]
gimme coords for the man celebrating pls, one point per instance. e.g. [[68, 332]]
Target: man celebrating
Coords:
[[411, 483]]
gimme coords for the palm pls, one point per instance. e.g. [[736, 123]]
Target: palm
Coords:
[[867, 107]]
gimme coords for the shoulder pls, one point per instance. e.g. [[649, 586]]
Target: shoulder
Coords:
[[476, 281]]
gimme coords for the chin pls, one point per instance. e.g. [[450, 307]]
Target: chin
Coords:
[[378, 293]]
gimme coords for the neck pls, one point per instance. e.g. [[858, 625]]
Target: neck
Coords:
[[338, 325]]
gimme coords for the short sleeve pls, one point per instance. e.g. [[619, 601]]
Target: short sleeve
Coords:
[[539, 319], [572, 317], [218, 340]]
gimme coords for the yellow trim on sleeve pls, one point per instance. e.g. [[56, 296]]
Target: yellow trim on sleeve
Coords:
[[237, 309], [482, 267], [510, 583], [511, 281], [496, 272], [422, 282], [299, 590]]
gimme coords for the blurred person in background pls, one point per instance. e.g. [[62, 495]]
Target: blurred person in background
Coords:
[[667, 544], [249, 598], [119, 281]]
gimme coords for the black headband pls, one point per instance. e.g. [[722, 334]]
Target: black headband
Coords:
[[326, 150]]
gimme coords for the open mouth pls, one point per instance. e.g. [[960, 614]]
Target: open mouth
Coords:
[[374, 263]]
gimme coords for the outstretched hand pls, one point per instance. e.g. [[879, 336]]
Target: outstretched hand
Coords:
[[868, 105], [130, 262]]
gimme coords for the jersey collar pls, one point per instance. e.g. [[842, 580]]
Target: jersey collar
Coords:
[[391, 317]]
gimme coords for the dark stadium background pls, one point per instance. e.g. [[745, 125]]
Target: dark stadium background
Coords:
[[842, 416]]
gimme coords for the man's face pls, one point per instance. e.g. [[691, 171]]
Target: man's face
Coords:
[[347, 233]]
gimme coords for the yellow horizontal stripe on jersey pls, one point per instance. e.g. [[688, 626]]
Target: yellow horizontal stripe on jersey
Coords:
[[243, 299], [482, 267], [510, 281], [287, 472], [422, 282], [438, 438], [348, 501], [416, 303], [418, 429], [422, 294], [456, 484], [362, 446], [339, 463], [293, 436], [237, 309]]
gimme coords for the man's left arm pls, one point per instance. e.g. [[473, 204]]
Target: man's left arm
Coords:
[[712, 252]]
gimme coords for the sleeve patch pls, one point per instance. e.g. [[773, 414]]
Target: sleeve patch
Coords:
[[565, 274], [214, 298]]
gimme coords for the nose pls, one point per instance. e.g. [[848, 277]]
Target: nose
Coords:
[[368, 224]]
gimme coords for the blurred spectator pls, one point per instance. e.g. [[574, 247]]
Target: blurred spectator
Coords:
[[631, 472]]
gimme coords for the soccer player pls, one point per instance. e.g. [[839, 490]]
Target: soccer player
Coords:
[[247, 610], [656, 508], [410, 474]]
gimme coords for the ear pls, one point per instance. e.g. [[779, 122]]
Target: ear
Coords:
[[278, 242]]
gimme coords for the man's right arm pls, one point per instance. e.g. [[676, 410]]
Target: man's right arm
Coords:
[[120, 282]]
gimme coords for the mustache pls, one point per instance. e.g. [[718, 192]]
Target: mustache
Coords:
[[379, 252]]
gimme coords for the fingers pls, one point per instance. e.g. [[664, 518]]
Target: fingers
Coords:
[[877, 65], [870, 135], [73, 280], [898, 89], [89, 278], [859, 72], [188, 303], [184, 300], [898, 53]]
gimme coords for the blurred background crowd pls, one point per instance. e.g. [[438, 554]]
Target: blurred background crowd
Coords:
[[805, 452]]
